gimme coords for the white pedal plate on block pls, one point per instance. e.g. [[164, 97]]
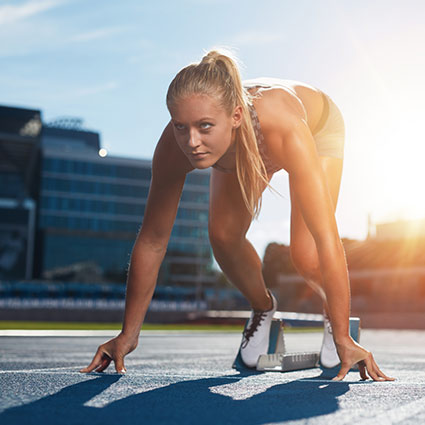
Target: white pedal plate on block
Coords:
[[285, 362]]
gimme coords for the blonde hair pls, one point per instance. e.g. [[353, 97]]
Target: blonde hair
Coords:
[[218, 76]]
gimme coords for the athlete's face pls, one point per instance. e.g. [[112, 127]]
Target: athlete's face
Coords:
[[203, 129]]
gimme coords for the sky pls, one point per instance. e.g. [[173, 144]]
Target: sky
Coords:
[[110, 63]]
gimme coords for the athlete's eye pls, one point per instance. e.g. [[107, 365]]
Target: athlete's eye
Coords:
[[206, 125], [179, 127]]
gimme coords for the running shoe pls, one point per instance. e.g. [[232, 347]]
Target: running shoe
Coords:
[[255, 338], [328, 355]]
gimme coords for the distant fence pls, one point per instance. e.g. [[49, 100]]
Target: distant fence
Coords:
[[41, 300], [69, 301]]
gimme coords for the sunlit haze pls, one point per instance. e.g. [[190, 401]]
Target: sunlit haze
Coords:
[[110, 63]]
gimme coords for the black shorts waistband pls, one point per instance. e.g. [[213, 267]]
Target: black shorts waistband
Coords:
[[324, 116]]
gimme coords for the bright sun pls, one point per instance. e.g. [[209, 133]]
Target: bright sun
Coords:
[[401, 173]]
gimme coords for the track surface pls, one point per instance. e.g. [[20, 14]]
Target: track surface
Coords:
[[186, 378]]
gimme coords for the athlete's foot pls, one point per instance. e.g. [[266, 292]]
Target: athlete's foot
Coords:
[[328, 355], [255, 338]]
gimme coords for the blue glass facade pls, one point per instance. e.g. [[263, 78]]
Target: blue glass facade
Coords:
[[62, 204], [91, 208], [19, 170]]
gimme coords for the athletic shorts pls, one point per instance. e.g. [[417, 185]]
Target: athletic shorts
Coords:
[[330, 133]]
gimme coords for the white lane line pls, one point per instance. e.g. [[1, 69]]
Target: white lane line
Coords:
[[104, 333], [56, 333]]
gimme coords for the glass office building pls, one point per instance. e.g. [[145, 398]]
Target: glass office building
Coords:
[[89, 209], [20, 131]]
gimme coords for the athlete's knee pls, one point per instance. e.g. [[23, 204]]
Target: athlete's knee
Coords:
[[224, 238]]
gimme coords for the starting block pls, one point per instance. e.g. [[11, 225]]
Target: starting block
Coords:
[[278, 359]]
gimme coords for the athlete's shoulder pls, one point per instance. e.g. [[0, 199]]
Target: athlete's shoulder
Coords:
[[276, 112]]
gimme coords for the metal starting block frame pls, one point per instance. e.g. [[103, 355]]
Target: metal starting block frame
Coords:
[[278, 359]]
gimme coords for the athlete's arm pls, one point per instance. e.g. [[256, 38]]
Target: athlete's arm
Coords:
[[169, 169], [292, 145], [311, 191]]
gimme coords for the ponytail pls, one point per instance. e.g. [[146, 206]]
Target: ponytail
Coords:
[[218, 76]]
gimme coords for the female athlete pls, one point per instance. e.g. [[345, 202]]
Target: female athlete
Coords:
[[246, 132]]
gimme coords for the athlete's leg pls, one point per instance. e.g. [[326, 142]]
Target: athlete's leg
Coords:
[[303, 248], [229, 220]]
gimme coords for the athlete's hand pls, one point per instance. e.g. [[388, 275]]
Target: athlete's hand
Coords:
[[352, 353], [113, 350]]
